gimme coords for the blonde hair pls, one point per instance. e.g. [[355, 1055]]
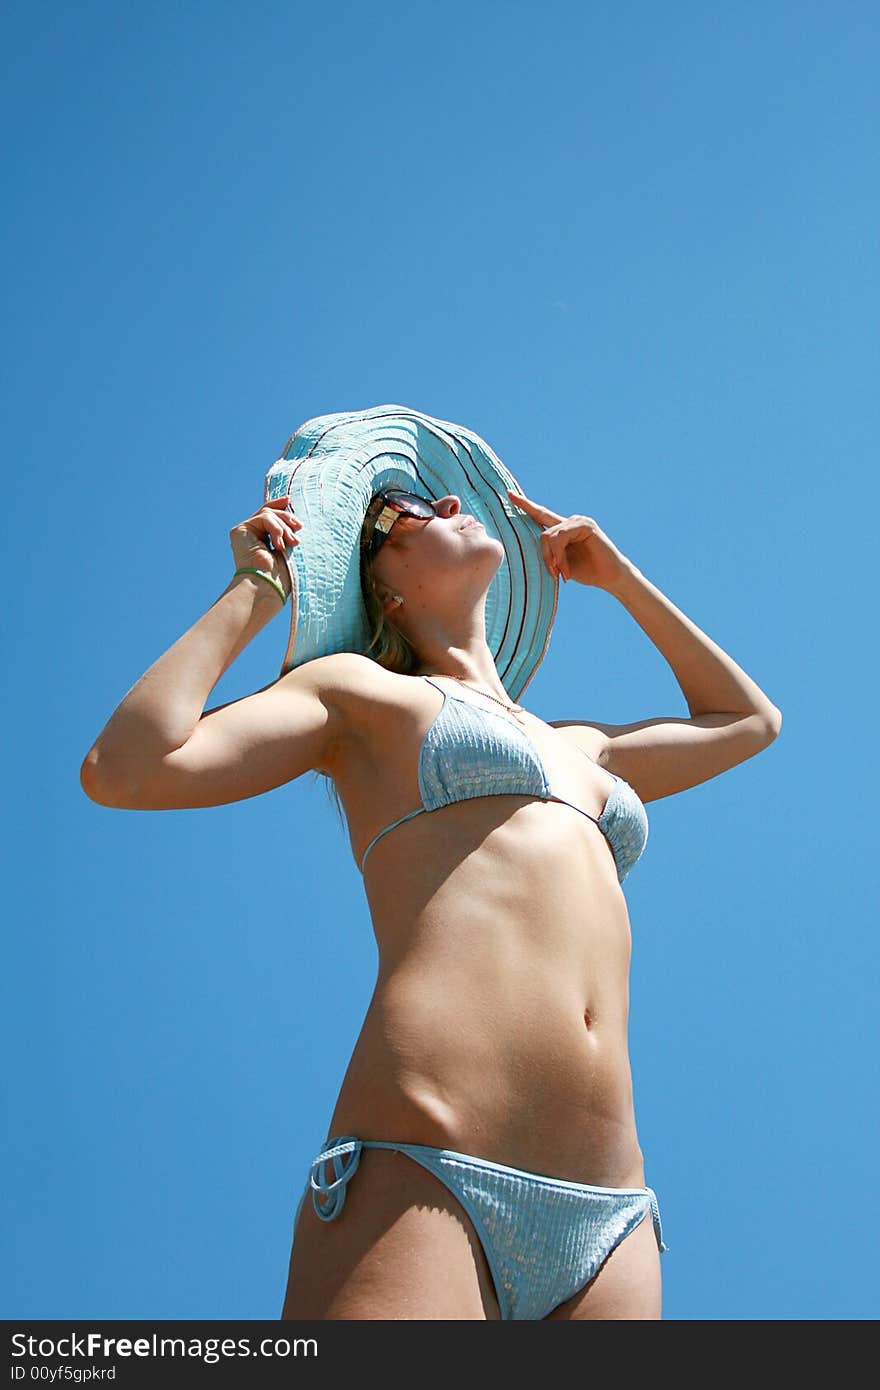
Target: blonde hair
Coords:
[[388, 647]]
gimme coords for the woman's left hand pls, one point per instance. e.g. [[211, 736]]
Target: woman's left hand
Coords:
[[575, 547]]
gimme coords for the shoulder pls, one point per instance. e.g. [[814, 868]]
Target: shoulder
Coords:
[[362, 692]]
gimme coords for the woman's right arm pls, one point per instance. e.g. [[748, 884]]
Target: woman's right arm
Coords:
[[160, 751]]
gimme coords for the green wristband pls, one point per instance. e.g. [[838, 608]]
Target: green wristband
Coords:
[[246, 569]]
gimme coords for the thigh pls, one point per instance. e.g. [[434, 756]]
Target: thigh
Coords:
[[402, 1247], [627, 1284]]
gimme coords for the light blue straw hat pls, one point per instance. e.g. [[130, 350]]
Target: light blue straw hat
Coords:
[[330, 469]]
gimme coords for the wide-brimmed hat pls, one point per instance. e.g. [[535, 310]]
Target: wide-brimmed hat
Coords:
[[331, 468]]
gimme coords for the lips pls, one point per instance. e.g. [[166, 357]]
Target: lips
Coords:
[[473, 522]]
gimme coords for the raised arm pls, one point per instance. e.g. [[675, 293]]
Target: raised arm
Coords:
[[160, 750], [731, 716]]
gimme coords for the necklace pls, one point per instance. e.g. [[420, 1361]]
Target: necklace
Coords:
[[513, 709]]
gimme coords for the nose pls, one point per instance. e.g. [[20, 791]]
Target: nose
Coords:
[[450, 505]]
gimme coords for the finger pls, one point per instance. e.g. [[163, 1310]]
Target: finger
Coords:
[[557, 541], [273, 528], [525, 503], [283, 505], [270, 519], [280, 505], [543, 515], [547, 548], [277, 526], [549, 552]]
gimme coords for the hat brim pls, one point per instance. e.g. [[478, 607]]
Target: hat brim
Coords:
[[333, 465]]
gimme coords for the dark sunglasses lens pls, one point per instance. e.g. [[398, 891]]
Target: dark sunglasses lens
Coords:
[[405, 504], [410, 503]]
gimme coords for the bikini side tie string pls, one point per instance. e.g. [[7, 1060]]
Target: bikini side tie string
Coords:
[[346, 1155]]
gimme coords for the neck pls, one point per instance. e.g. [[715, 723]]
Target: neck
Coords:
[[457, 647], [477, 670]]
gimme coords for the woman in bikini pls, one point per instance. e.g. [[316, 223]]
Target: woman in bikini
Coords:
[[482, 1159]]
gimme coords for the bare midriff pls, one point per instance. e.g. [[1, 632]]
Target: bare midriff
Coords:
[[498, 1022]]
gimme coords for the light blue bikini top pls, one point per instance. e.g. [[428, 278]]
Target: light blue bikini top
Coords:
[[469, 751]]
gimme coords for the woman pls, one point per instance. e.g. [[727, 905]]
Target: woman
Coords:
[[482, 1160]]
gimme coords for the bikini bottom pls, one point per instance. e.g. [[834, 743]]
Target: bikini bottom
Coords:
[[544, 1238]]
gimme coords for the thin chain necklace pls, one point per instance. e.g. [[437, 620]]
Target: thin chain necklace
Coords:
[[513, 709]]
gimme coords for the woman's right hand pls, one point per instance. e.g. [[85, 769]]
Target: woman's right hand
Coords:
[[275, 521]]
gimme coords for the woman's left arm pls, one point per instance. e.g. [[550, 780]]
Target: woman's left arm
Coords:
[[710, 679], [731, 717]]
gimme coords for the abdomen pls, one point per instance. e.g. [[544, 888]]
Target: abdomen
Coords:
[[498, 1025]]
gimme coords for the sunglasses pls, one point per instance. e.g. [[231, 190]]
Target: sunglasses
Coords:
[[387, 508]]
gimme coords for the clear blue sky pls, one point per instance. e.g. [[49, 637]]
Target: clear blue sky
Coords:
[[635, 248]]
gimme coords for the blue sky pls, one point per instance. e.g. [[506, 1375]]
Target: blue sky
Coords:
[[633, 247]]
